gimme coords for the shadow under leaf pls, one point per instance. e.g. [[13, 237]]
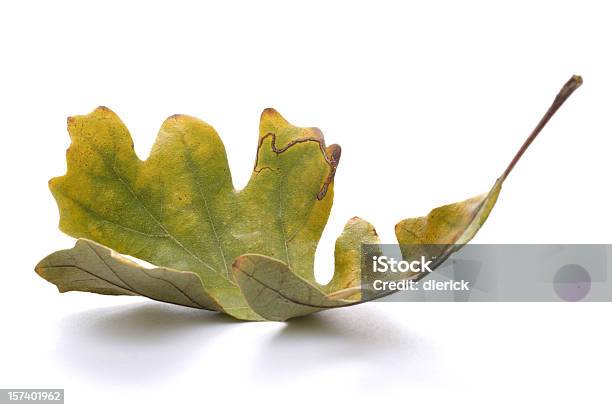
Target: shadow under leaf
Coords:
[[138, 343], [361, 338]]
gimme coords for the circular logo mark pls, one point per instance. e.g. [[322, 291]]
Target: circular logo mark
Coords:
[[572, 282]]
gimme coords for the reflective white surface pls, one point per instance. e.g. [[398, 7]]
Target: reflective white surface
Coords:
[[429, 101]]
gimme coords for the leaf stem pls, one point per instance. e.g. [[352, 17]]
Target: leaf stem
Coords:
[[570, 86]]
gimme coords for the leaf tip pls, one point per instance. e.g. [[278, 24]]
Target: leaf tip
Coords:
[[270, 114], [99, 112], [271, 120], [397, 228], [316, 132], [357, 224], [269, 111], [354, 220], [335, 152], [104, 109], [39, 269], [175, 117], [173, 120]]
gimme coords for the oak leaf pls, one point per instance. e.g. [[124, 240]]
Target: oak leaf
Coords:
[[247, 253]]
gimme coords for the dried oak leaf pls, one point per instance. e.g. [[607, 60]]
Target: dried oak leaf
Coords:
[[247, 253]]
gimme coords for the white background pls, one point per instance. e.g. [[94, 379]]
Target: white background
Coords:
[[429, 101]]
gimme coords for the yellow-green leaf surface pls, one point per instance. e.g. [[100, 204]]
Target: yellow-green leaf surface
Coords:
[[252, 250], [179, 209], [445, 229]]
